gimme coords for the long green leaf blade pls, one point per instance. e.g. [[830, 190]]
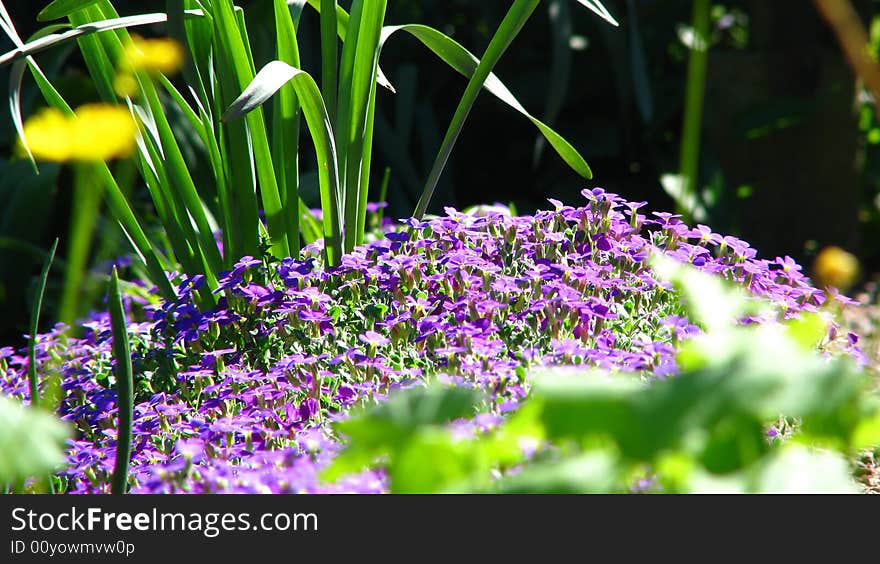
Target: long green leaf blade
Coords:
[[329, 55], [56, 39], [286, 124], [510, 27], [62, 8], [232, 39], [116, 200], [124, 385], [358, 72], [35, 324], [268, 81]]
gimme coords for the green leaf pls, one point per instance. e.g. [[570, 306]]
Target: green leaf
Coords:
[[387, 429], [464, 62], [329, 56], [31, 441], [268, 81], [510, 27], [16, 74], [592, 472], [286, 123], [43, 42], [710, 300], [867, 433], [808, 330], [432, 462], [35, 325], [733, 442], [415, 408], [124, 384], [591, 404], [357, 90], [799, 470], [715, 409], [58, 9]]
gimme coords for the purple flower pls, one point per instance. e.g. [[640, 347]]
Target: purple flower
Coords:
[[373, 339]]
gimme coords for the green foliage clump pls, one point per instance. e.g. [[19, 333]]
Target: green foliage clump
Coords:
[[705, 430]]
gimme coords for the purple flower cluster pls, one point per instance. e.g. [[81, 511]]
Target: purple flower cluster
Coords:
[[238, 397]]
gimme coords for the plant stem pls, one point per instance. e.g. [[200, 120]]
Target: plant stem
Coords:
[[86, 204]]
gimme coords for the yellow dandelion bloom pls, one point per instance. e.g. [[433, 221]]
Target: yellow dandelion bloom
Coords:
[[103, 132], [836, 267], [165, 56], [97, 132], [125, 84], [48, 135]]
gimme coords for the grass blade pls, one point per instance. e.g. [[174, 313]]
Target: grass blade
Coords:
[[467, 64], [513, 22], [176, 11], [357, 86], [233, 43], [124, 385], [268, 81], [286, 124], [559, 12], [181, 185], [366, 152], [35, 324], [62, 8], [109, 24], [115, 199], [329, 55], [16, 75], [342, 18]]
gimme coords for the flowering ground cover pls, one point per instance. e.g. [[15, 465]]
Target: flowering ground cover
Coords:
[[240, 397]]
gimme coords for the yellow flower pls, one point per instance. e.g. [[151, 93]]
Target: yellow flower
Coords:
[[165, 56], [48, 135], [125, 84], [103, 132], [97, 132], [836, 267]]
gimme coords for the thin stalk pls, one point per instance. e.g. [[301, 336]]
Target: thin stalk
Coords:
[[124, 385], [510, 27], [35, 323], [693, 108]]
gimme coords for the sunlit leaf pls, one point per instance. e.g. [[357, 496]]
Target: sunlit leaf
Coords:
[[58, 9], [31, 441]]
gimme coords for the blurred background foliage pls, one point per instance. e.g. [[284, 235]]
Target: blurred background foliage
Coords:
[[789, 150]]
